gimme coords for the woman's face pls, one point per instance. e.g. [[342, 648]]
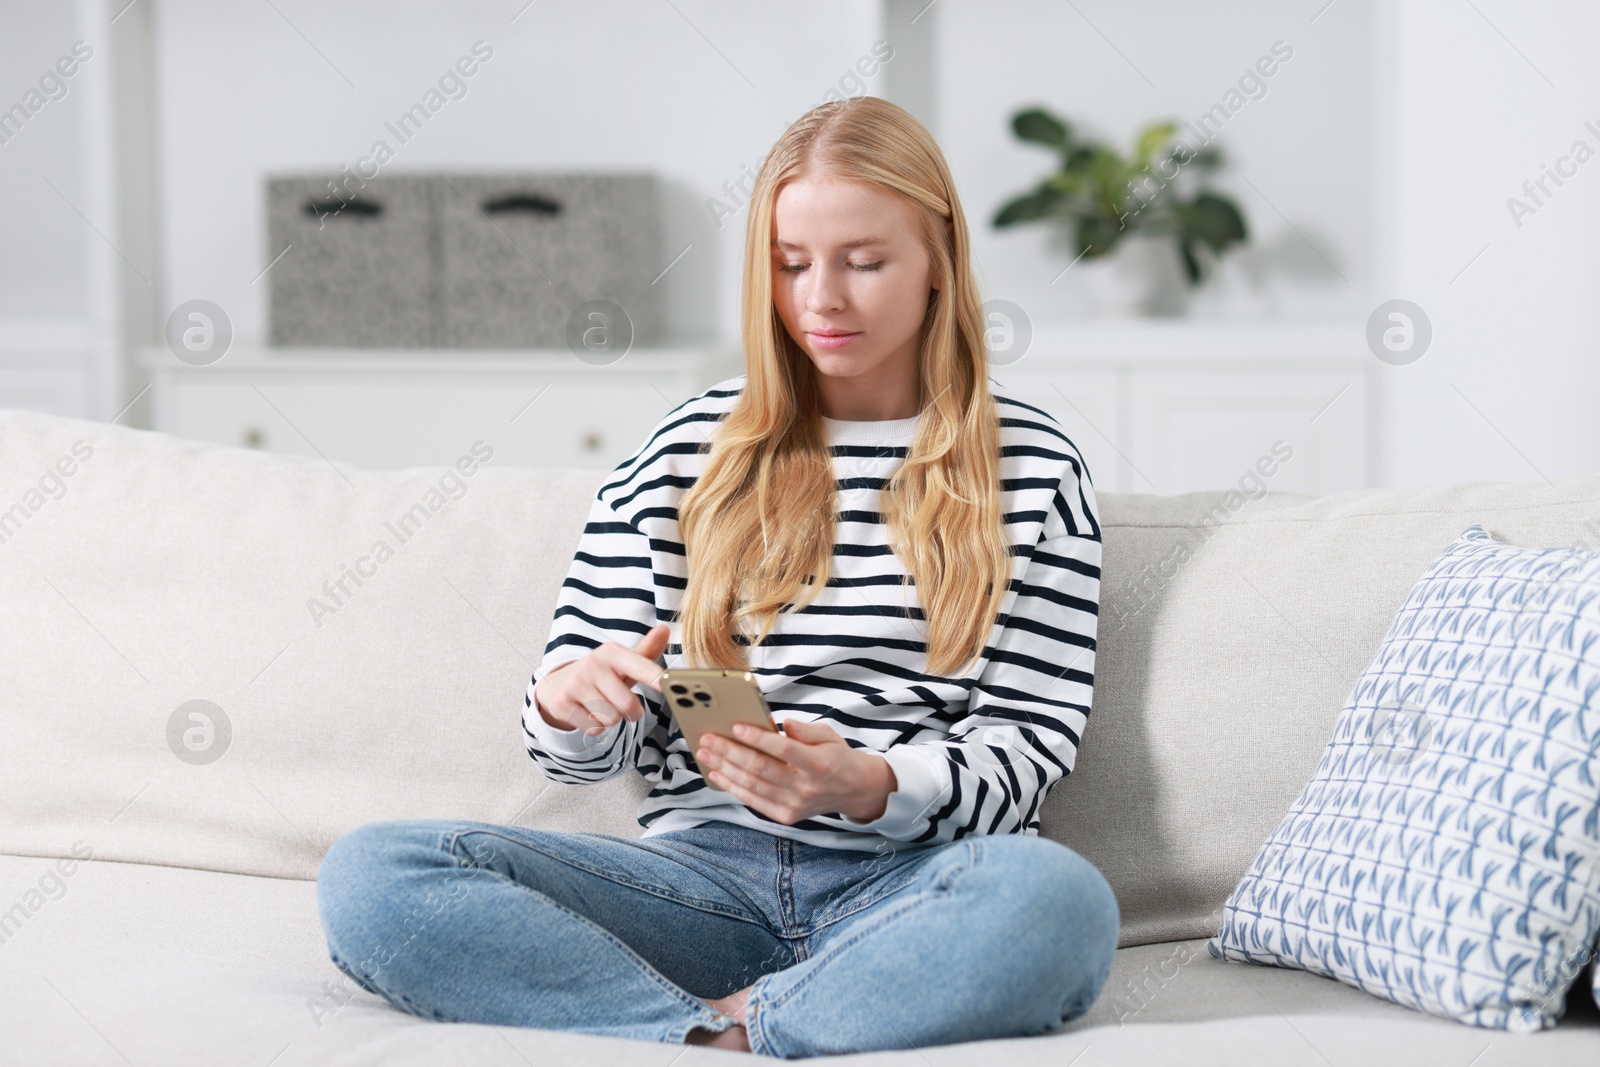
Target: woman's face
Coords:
[[845, 257]]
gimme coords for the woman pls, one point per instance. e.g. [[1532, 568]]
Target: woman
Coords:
[[908, 560]]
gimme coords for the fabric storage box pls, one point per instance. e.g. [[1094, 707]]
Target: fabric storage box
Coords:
[[523, 252], [361, 267]]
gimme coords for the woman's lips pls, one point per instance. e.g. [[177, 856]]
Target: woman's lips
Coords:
[[834, 341]]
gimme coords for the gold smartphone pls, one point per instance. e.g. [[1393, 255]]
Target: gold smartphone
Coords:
[[711, 701]]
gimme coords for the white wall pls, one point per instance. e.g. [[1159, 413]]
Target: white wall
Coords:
[[1301, 154], [242, 92], [1388, 144], [1510, 389], [43, 239], [696, 97], [60, 257]]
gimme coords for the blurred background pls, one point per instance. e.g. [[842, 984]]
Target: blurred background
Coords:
[[1353, 243]]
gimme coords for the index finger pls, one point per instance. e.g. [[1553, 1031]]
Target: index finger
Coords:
[[634, 667]]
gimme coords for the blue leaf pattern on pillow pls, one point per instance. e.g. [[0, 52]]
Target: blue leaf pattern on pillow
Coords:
[[1446, 853]]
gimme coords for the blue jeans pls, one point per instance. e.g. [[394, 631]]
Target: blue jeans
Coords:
[[984, 937]]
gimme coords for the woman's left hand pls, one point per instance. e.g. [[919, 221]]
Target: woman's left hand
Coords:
[[805, 769]]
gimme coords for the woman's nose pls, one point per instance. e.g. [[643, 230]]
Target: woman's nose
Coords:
[[824, 293]]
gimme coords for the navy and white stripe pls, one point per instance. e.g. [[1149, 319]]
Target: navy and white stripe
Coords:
[[975, 754]]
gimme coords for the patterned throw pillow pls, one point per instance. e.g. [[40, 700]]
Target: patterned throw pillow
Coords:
[[1446, 853]]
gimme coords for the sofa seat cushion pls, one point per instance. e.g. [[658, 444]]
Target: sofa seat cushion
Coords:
[[177, 966]]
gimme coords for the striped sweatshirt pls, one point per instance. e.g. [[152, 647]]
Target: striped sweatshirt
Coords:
[[974, 754]]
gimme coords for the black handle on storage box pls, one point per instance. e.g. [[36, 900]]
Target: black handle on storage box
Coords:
[[334, 206], [527, 202]]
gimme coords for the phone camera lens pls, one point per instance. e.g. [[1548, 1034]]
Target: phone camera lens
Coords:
[[704, 696], [678, 689], [685, 702]]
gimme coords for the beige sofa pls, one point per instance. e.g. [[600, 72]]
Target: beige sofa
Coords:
[[159, 909]]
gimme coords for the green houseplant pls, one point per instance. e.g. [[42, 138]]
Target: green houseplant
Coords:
[[1104, 197]]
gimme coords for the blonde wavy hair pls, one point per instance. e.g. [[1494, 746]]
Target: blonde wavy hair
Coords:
[[758, 523]]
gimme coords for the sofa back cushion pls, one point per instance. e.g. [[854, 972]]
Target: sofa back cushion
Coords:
[[1232, 631], [355, 643], [220, 658]]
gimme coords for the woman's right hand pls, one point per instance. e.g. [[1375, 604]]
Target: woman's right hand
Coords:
[[595, 691]]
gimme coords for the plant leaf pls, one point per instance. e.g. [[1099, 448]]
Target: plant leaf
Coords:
[[1079, 160], [1214, 221], [1111, 175], [1068, 183], [1191, 267], [1040, 203], [1097, 235], [1041, 127], [1154, 136]]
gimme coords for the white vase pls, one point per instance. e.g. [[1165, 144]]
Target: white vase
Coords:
[[1141, 277]]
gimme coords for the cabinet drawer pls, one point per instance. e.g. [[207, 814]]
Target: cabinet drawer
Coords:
[[1207, 431], [394, 424]]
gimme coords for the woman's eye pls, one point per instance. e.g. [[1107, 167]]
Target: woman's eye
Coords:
[[796, 268]]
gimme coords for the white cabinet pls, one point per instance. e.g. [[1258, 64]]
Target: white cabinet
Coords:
[[55, 385], [1155, 407], [388, 410], [1172, 407], [1193, 431], [48, 365]]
